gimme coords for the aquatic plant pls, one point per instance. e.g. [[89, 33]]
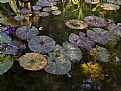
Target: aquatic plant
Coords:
[[81, 40], [41, 44], [26, 32], [5, 63], [95, 21], [32, 61], [58, 65], [76, 24], [100, 54]]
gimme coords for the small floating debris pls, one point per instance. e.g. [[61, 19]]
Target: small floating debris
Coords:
[[110, 6], [95, 21], [19, 17], [76, 24], [41, 44], [26, 32], [43, 14], [56, 12], [92, 1], [32, 61]]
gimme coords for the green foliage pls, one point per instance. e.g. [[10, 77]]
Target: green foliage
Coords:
[[5, 63], [4, 1]]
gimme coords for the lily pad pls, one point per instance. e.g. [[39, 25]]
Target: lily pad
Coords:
[[100, 54], [4, 1], [47, 9], [26, 32], [92, 1], [115, 1], [76, 24], [25, 11], [110, 6], [32, 61], [41, 44], [58, 65], [72, 51], [95, 21], [19, 17], [5, 64], [4, 38], [98, 35], [2, 29], [36, 8], [43, 14], [81, 40], [56, 12]]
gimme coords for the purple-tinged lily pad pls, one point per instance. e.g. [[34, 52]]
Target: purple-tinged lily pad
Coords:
[[26, 32], [36, 8], [19, 17], [100, 54], [97, 35], [4, 38], [47, 9], [95, 21], [81, 40], [58, 65], [25, 11], [41, 44], [43, 14]]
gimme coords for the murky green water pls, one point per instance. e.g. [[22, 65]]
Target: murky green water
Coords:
[[19, 79]]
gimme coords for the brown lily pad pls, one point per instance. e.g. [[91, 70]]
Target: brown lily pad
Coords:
[[32, 61]]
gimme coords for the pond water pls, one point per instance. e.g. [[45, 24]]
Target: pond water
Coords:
[[97, 67]]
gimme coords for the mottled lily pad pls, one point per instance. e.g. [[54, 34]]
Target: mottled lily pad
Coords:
[[58, 65], [26, 32], [100, 54], [32, 61], [36, 8], [72, 51], [25, 11], [41, 44], [56, 12], [5, 64], [81, 40], [97, 35], [110, 6], [19, 17], [47, 9], [43, 14], [115, 1], [76, 24], [95, 21], [4, 38]]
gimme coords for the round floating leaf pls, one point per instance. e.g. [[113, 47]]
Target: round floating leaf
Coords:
[[26, 32], [5, 63], [76, 24], [2, 29], [72, 51], [4, 1], [98, 35], [115, 1], [54, 8], [92, 1], [36, 8], [56, 12], [47, 9], [19, 17], [81, 40], [43, 14], [25, 11], [58, 65], [4, 38], [100, 54], [41, 44], [110, 6], [95, 21], [32, 61]]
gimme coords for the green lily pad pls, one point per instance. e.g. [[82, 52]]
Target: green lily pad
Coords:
[[58, 65], [100, 54], [5, 64]]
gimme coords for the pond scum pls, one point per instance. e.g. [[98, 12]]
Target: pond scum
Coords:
[[54, 45]]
